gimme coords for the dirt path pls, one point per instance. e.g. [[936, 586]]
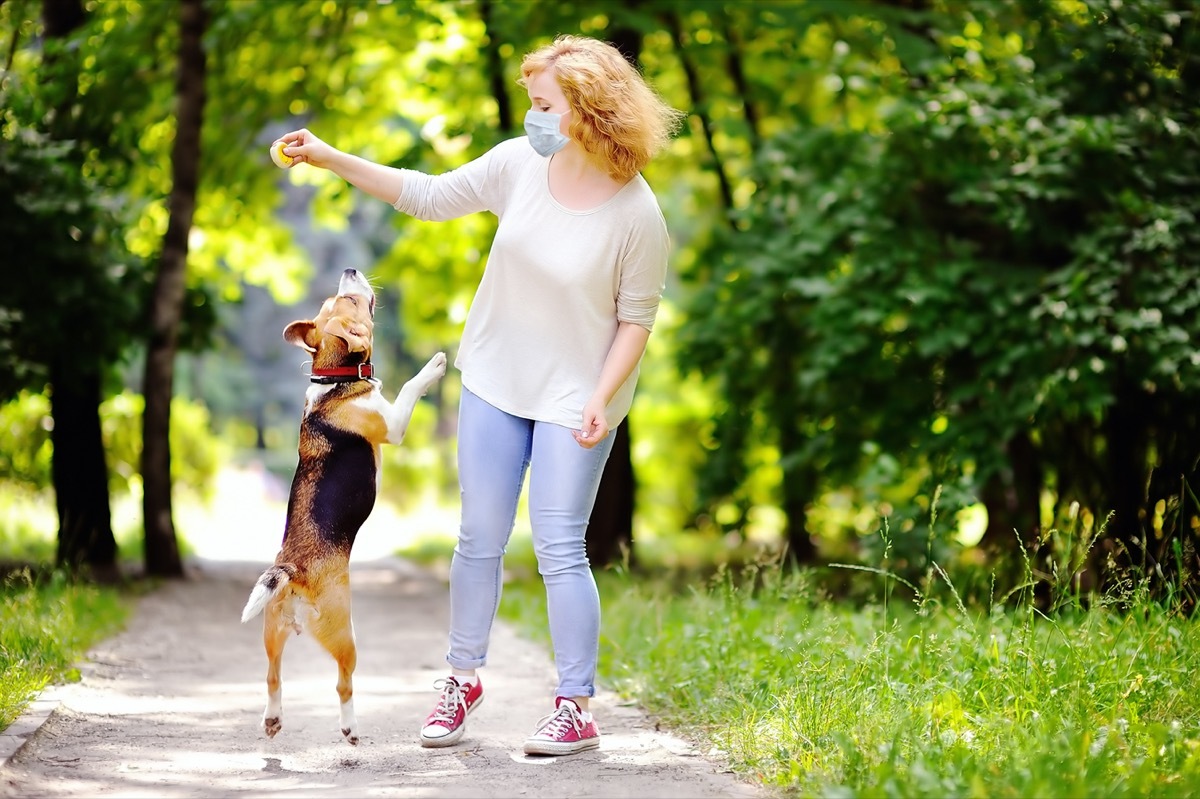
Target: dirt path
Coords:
[[171, 708]]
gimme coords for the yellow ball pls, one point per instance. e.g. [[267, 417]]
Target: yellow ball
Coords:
[[278, 156]]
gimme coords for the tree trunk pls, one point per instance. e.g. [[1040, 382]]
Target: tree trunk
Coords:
[[85, 538], [609, 536], [674, 24], [799, 489], [78, 469], [1125, 453], [737, 74], [1174, 482], [60, 17], [1012, 501], [162, 548], [801, 551], [496, 77]]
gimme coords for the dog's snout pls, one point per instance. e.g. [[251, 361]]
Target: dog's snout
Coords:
[[352, 279], [355, 283]]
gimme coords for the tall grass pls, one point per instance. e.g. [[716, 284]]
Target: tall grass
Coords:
[[821, 698], [913, 696], [46, 626]]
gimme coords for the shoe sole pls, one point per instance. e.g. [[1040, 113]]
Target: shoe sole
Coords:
[[539, 747], [451, 738]]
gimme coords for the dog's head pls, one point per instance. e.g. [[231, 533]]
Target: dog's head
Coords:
[[340, 334]]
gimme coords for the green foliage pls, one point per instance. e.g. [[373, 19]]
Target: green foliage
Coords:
[[196, 454], [29, 525], [51, 214], [25, 449], [1005, 259], [917, 245], [46, 626]]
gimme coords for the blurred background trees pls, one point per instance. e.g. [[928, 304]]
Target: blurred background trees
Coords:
[[935, 281]]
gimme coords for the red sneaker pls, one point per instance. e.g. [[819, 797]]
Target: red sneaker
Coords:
[[563, 732], [448, 721]]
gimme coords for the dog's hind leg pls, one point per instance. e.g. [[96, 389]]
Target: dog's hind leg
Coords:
[[347, 657], [275, 634], [335, 631]]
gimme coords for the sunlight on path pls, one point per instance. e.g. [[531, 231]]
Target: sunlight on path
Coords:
[[244, 521]]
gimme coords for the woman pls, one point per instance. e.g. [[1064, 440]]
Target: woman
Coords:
[[550, 349]]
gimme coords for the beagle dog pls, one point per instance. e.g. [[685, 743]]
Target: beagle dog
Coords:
[[346, 419]]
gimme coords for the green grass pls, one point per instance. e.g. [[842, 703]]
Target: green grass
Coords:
[[46, 626], [48, 621], [906, 697], [822, 698]]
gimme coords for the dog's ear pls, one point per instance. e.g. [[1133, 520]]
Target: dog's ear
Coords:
[[356, 335], [299, 333]]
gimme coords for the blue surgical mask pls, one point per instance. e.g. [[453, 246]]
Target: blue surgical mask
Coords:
[[543, 132]]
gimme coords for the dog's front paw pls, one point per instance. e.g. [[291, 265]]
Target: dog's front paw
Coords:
[[351, 736], [432, 372]]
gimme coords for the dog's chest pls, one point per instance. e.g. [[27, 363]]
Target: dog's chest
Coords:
[[336, 480]]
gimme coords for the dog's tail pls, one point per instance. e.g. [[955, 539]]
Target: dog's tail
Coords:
[[272, 581]]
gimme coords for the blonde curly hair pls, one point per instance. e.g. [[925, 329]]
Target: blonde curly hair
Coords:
[[618, 119]]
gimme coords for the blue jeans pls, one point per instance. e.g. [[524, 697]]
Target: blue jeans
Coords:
[[494, 451]]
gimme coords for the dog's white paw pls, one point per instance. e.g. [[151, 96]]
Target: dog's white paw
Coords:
[[432, 372]]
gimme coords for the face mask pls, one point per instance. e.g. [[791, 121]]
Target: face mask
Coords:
[[543, 132]]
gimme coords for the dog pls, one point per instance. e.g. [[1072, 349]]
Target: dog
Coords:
[[346, 419]]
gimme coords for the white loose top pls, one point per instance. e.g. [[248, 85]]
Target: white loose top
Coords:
[[556, 282]]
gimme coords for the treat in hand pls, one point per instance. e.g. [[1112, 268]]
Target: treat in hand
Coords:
[[282, 161]]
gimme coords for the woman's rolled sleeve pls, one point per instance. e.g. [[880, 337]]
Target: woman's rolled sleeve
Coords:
[[644, 274], [638, 310]]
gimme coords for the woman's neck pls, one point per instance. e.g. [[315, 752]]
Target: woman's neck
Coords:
[[577, 182], [572, 163]]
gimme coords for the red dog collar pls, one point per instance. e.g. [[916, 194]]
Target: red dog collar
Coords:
[[342, 374]]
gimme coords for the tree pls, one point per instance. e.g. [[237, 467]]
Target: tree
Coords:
[[982, 285], [85, 537], [82, 283], [166, 310], [40, 209], [609, 536]]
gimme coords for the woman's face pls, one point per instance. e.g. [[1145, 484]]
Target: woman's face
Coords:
[[545, 95]]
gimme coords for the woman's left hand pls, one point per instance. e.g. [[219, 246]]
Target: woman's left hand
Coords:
[[595, 425]]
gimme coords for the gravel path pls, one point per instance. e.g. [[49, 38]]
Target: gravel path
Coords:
[[171, 708]]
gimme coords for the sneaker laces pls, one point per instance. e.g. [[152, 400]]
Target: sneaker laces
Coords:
[[447, 707], [555, 725]]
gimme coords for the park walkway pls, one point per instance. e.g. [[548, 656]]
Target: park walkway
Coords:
[[171, 708]]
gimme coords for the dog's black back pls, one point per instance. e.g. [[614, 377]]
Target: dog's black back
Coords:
[[334, 488]]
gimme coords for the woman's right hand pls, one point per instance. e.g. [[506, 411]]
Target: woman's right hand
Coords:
[[305, 148], [382, 182]]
